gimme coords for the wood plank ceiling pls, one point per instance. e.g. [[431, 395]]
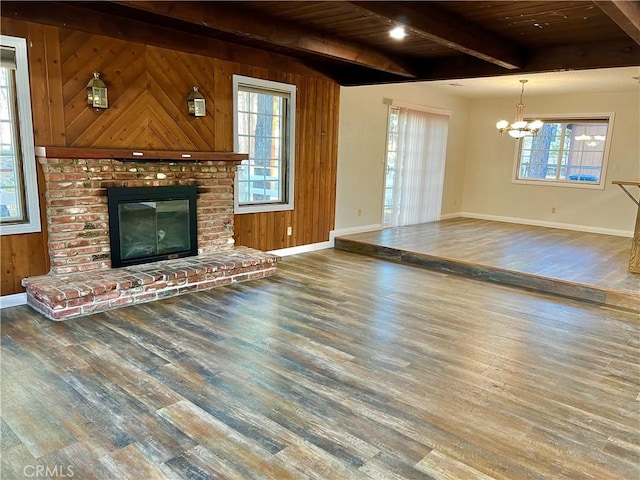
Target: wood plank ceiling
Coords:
[[350, 43]]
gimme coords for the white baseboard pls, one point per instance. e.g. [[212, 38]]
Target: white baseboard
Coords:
[[311, 247], [351, 230], [14, 300], [542, 223]]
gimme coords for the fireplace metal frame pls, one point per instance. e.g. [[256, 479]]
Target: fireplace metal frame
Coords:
[[119, 195]]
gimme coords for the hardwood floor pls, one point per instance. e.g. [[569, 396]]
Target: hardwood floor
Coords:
[[340, 366], [587, 266]]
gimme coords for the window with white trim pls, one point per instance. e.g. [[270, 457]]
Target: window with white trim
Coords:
[[19, 205], [569, 151], [416, 156], [392, 157], [264, 127]]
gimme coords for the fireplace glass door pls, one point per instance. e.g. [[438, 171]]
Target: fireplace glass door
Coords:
[[153, 228], [150, 224]]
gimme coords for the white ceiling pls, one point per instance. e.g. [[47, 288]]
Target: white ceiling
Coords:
[[583, 81]]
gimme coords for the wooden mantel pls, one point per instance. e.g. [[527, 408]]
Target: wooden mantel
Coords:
[[138, 155]]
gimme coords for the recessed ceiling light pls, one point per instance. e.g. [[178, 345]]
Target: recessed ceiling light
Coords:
[[398, 33]]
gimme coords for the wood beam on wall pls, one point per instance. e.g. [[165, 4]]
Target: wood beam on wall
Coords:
[[75, 17], [557, 58], [626, 14], [448, 30], [224, 18]]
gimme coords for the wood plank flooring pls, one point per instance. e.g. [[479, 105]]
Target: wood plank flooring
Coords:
[[339, 367], [581, 265]]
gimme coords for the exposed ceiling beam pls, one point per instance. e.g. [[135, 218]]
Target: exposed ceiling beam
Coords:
[[621, 53], [74, 17], [223, 18], [626, 14], [448, 30]]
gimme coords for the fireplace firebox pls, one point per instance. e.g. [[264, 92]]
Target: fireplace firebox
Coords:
[[148, 224]]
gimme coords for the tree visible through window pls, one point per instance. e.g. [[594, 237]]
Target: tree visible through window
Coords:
[[566, 150], [264, 129]]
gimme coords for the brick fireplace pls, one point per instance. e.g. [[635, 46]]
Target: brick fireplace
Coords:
[[81, 280]]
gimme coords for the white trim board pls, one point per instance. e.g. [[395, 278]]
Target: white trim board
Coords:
[[417, 107], [25, 130], [14, 300], [351, 230], [311, 247], [543, 223]]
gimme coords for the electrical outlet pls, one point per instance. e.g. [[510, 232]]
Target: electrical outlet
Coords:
[[553, 209], [359, 212], [289, 231]]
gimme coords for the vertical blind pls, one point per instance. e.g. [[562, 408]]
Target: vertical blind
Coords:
[[422, 146]]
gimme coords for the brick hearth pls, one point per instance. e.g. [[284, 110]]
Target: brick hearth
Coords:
[[81, 280], [60, 297]]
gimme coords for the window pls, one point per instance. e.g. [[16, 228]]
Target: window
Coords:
[[416, 156], [19, 206], [264, 127], [571, 151], [392, 156]]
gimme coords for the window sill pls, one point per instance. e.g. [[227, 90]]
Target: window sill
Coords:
[[17, 229], [269, 207], [560, 183]]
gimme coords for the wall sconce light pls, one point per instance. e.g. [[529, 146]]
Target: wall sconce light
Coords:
[[196, 103], [97, 92]]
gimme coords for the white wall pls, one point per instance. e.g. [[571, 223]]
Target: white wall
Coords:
[[479, 169], [362, 144], [488, 189]]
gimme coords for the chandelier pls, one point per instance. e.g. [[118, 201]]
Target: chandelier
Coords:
[[520, 127]]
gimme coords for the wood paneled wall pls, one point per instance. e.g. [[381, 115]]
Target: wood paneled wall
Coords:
[[148, 87], [27, 255]]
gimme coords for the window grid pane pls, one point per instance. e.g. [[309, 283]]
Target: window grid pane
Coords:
[[261, 118], [392, 153], [571, 151], [11, 184]]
